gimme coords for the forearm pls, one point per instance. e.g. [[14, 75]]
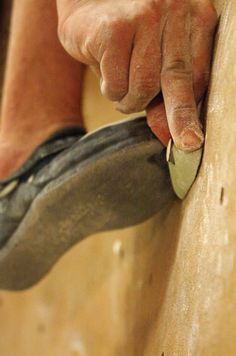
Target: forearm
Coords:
[[39, 71]]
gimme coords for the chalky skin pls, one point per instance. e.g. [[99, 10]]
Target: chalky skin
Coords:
[[149, 54]]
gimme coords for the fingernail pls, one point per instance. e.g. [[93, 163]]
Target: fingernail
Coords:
[[191, 140]]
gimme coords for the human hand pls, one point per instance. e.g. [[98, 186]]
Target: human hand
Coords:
[[152, 54]]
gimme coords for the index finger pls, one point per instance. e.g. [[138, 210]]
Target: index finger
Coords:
[[177, 81]]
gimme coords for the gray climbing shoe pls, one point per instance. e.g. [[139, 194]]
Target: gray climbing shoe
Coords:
[[75, 185]]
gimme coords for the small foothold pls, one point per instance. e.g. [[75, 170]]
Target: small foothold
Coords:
[[185, 169], [168, 150], [169, 154]]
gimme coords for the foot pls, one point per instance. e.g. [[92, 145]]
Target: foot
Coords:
[[15, 149], [59, 202]]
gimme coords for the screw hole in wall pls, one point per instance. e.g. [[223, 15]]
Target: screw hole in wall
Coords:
[[222, 194]]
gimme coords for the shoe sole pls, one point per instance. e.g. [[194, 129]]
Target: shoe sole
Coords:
[[121, 179]]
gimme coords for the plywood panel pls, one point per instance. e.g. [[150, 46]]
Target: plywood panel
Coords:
[[166, 287]]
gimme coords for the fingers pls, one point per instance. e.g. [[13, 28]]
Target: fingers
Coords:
[[204, 21], [136, 59], [114, 64], [177, 81], [203, 24], [157, 120], [144, 71]]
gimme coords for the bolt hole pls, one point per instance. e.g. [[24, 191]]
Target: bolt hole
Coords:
[[222, 194]]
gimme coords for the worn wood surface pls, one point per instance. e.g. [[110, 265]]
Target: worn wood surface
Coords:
[[166, 287]]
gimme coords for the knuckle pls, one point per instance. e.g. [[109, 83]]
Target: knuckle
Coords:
[[115, 28], [116, 94], [184, 113], [177, 68], [179, 7], [69, 39], [88, 44], [150, 10], [81, 51], [114, 91], [131, 104]]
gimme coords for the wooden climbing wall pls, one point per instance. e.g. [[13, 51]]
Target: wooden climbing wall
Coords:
[[166, 287]]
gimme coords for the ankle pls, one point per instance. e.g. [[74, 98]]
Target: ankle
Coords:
[[16, 146], [10, 159], [25, 136]]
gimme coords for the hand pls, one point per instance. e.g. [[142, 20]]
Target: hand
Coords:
[[152, 54]]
